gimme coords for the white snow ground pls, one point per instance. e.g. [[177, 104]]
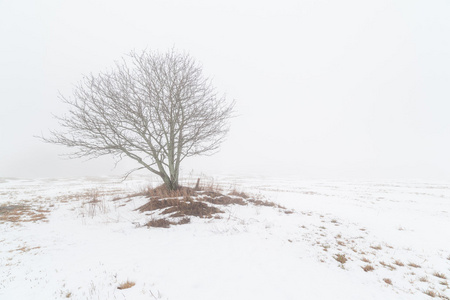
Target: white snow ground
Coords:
[[85, 251]]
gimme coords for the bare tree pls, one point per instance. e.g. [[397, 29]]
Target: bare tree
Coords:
[[155, 108]]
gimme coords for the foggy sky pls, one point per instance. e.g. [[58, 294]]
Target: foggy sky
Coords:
[[323, 89]]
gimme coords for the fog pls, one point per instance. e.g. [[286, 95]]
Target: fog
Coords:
[[323, 89]]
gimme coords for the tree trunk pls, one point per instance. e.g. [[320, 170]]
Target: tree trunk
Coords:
[[171, 184]]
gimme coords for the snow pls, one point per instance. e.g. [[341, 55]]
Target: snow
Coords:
[[85, 251]]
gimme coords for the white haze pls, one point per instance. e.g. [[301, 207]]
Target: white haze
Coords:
[[323, 89]]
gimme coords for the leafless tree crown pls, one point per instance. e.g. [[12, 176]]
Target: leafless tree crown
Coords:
[[155, 108]]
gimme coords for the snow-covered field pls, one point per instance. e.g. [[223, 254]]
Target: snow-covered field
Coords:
[[57, 245]]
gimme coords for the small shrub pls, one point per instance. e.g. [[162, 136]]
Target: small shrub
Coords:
[[365, 260], [423, 279], [126, 285], [387, 280]]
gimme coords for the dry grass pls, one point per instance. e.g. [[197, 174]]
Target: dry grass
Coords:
[[378, 247], [423, 279], [365, 260], [192, 202], [443, 297], [340, 243], [21, 213], [398, 263], [430, 293], [341, 258], [414, 265], [163, 192], [368, 268], [160, 223], [387, 280], [164, 223], [192, 208], [440, 275], [126, 285], [258, 202], [180, 207], [238, 194], [217, 198]]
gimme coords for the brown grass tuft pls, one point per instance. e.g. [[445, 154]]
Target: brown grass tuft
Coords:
[[367, 268], [414, 265], [387, 280], [161, 223], [440, 275], [378, 247], [265, 203], [164, 223], [126, 285], [198, 209], [180, 208], [430, 293], [341, 258], [398, 263], [443, 297], [216, 198], [365, 260], [238, 194], [183, 221], [423, 279], [21, 213]]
